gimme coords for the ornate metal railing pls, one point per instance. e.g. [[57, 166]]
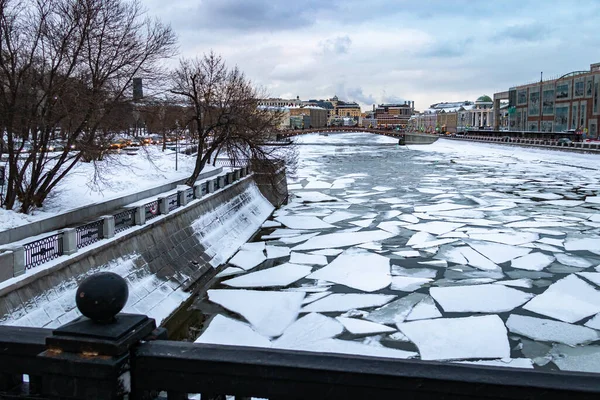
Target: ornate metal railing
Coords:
[[124, 220], [173, 201], [151, 210], [189, 194], [43, 250], [89, 233]]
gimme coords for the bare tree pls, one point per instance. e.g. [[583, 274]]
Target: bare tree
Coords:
[[225, 113], [65, 67]]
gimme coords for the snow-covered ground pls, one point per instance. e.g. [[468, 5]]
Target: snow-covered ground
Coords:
[[462, 252], [120, 174]]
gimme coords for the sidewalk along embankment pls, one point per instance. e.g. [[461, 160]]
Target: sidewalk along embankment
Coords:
[[161, 261]]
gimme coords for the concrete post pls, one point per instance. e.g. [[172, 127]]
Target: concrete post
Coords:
[[198, 191], [182, 198], [108, 227], [6, 265], [236, 175], [242, 172], [163, 205], [210, 186], [69, 241], [18, 261], [140, 215], [219, 182]]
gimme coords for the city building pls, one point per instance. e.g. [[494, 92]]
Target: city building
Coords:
[[278, 102], [570, 102], [317, 116], [452, 117], [394, 115]]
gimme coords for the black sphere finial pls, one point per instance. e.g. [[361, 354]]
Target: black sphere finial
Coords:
[[101, 296]]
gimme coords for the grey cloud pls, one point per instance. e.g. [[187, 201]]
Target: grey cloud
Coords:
[[356, 94], [531, 32], [446, 48], [248, 15], [338, 45]]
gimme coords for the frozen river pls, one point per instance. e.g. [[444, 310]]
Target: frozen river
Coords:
[[460, 252]]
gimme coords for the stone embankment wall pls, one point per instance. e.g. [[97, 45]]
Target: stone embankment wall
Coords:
[[160, 260]]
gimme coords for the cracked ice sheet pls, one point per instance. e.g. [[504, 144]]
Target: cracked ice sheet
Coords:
[[308, 259], [281, 275], [354, 348], [333, 240], [546, 330], [572, 261], [297, 239], [435, 227], [277, 251], [359, 270], [478, 261], [247, 259], [347, 301], [303, 222], [396, 311], [314, 197], [515, 238], [408, 283], [458, 338], [268, 312], [439, 207], [425, 309], [497, 252], [307, 329], [488, 298], [227, 331], [533, 261], [582, 244], [339, 216], [583, 359], [569, 299], [362, 327]]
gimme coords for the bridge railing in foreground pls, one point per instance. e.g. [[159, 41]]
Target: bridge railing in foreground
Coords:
[[116, 356]]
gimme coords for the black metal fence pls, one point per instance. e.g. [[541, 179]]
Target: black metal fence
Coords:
[[43, 250], [124, 220], [173, 201], [89, 233]]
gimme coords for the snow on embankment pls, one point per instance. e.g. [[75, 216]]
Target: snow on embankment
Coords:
[[232, 224], [220, 225]]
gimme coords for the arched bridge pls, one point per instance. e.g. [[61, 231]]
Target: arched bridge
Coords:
[[338, 129], [409, 137]]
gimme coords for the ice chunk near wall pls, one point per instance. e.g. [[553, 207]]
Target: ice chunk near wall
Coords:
[[459, 338], [582, 359], [268, 312], [303, 222], [508, 362], [569, 299], [308, 259], [360, 270], [248, 260], [281, 275], [307, 329], [227, 331], [547, 330], [277, 251], [488, 298]]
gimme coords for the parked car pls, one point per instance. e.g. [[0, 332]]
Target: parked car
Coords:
[[563, 141]]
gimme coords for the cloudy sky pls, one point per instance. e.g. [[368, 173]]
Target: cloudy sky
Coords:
[[374, 51]]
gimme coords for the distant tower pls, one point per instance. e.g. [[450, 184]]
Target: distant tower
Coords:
[[138, 91]]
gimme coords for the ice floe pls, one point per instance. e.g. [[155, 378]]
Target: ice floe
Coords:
[[228, 331], [533, 261], [583, 359], [396, 311], [230, 271], [497, 252], [582, 244], [407, 253], [362, 327], [308, 259], [314, 197], [511, 363], [488, 298], [343, 239], [307, 329], [573, 261], [281, 275], [425, 309], [458, 338], [515, 238], [569, 299], [247, 259], [268, 312], [435, 227], [361, 270], [277, 251], [408, 283], [547, 330], [347, 301], [303, 222]]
